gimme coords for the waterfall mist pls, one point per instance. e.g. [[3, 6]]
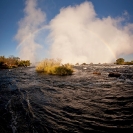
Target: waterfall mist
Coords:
[[76, 34]]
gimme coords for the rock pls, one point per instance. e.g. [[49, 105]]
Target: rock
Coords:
[[129, 76], [97, 73], [114, 74], [84, 68]]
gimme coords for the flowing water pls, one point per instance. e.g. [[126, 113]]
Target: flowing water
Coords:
[[84, 102]]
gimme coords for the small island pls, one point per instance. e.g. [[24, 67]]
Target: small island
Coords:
[[54, 67], [13, 62], [121, 61]]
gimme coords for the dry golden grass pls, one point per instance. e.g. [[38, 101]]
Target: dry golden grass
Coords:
[[54, 67]]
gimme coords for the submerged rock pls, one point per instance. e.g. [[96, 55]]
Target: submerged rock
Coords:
[[129, 76]]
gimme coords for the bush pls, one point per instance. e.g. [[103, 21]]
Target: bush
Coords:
[[84, 64], [77, 64], [64, 70], [120, 61], [24, 63], [13, 62], [52, 66], [128, 63], [48, 66]]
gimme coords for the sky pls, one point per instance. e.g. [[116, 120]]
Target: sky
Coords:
[[76, 31]]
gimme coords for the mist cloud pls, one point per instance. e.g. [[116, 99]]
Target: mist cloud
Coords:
[[78, 35], [33, 20]]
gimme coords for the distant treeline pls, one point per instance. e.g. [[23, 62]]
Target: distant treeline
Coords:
[[121, 61], [13, 62]]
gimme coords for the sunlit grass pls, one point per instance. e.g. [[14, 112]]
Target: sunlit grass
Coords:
[[54, 67]]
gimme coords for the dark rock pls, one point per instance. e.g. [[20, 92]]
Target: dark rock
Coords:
[[114, 74]]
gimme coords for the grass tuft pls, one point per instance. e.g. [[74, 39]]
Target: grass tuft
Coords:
[[54, 67]]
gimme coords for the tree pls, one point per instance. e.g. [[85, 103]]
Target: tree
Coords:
[[84, 64], [120, 61]]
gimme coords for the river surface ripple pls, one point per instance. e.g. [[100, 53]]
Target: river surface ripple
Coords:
[[32, 102]]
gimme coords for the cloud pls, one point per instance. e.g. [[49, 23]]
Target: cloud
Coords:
[[78, 35], [33, 20]]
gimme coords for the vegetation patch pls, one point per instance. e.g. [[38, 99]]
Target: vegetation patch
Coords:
[[54, 67], [121, 61], [13, 62]]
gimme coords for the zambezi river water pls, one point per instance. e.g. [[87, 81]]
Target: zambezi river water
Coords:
[[84, 102]]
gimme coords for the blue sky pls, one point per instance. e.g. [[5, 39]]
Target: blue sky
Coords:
[[11, 12]]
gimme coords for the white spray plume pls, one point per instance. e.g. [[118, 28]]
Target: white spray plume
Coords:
[[33, 20], [78, 35]]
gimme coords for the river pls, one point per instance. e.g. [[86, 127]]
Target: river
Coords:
[[32, 102]]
